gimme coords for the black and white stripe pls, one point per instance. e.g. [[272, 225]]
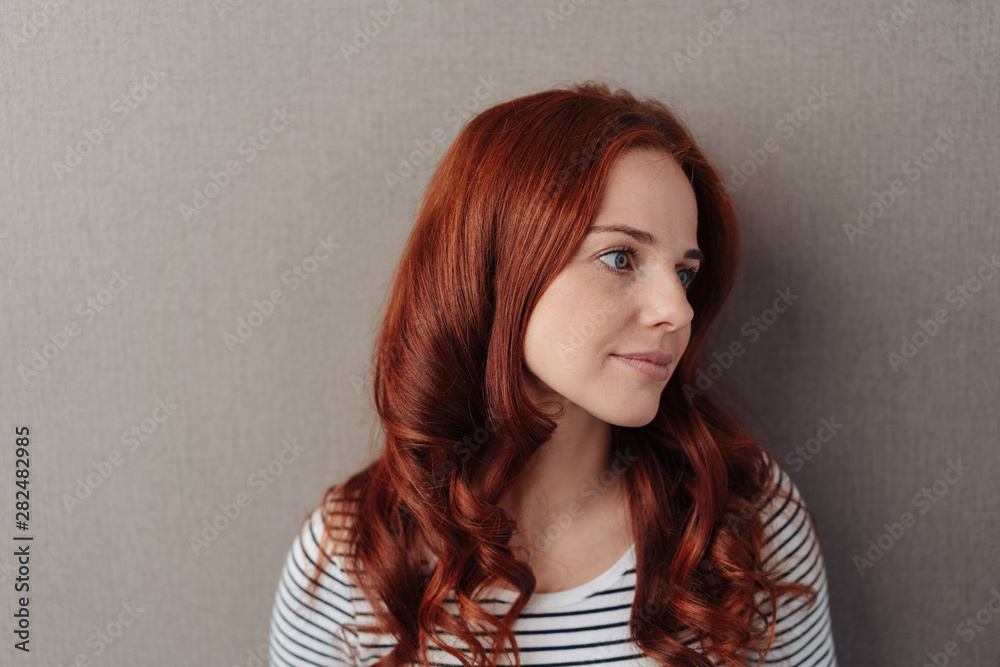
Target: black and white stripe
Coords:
[[584, 625]]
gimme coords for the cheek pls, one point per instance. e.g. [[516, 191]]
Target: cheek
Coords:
[[558, 307], [685, 340], [575, 316]]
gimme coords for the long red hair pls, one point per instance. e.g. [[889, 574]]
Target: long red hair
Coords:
[[504, 211]]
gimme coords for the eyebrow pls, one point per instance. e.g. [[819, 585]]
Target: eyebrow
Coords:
[[642, 237]]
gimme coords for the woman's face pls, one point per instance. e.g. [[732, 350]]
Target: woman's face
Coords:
[[591, 315]]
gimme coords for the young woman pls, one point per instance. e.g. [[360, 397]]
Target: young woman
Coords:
[[552, 489]]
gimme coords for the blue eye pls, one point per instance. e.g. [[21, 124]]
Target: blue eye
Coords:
[[620, 262], [690, 273]]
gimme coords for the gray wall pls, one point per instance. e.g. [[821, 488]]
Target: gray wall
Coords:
[[140, 103]]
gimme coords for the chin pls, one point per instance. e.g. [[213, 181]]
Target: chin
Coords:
[[637, 422], [632, 417]]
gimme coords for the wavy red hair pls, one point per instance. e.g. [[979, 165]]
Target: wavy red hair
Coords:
[[504, 211]]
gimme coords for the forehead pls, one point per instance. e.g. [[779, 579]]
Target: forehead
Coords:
[[647, 190]]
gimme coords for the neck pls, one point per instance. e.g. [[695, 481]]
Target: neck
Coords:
[[573, 483]]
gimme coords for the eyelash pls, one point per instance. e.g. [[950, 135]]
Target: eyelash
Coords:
[[691, 272]]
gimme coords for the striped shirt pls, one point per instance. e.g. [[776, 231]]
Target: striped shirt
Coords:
[[587, 624]]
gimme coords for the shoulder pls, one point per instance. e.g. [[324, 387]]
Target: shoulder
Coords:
[[789, 529], [336, 513], [314, 602], [791, 553], [316, 563]]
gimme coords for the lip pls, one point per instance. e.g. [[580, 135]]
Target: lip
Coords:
[[653, 364]]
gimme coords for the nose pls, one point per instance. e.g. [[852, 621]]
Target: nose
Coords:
[[664, 300]]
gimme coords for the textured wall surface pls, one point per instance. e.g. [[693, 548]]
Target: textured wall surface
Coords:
[[166, 169]]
